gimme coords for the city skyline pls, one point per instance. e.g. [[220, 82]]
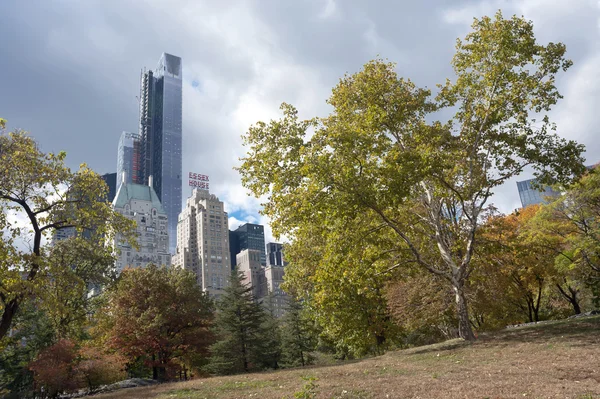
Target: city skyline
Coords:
[[82, 62]]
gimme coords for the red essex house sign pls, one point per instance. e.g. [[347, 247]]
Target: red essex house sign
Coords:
[[198, 180]]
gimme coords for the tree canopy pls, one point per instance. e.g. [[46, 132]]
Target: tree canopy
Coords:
[[50, 197], [380, 180]]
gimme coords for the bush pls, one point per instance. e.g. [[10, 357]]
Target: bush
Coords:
[[96, 368], [53, 369]]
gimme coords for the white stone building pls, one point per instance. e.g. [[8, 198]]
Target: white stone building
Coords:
[[140, 203], [203, 242]]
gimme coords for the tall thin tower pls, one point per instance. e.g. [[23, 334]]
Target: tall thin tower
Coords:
[[161, 136]]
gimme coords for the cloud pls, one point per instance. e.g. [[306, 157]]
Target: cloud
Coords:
[[71, 68]]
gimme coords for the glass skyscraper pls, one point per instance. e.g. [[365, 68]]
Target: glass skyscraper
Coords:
[[247, 236], [128, 158], [530, 195], [161, 136]]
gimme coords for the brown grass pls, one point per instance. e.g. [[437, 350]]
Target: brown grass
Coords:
[[556, 360]]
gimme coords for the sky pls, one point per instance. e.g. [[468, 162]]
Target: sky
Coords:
[[69, 69]]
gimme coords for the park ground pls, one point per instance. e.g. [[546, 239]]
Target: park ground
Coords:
[[550, 360]]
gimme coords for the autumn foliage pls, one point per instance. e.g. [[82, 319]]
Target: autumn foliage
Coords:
[[63, 367]]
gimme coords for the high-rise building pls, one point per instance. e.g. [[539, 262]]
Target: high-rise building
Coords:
[[128, 158], [274, 278], [140, 203], [161, 135], [248, 262], [538, 195], [248, 236], [203, 241], [275, 254], [111, 181]]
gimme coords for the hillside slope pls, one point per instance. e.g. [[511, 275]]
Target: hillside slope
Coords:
[[554, 360]]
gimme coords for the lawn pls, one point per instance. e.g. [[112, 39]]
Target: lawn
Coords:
[[554, 360]]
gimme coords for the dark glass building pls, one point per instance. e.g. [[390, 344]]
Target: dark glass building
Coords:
[[247, 236], [275, 254], [111, 181], [160, 136]]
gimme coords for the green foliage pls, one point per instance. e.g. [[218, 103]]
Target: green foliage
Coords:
[[49, 196], [297, 336], [239, 328], [159, 315], [271, 329], [571, 225], [381, 185], [33, 332], [309, 390]]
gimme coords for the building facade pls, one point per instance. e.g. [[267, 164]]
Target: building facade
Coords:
[[111, 181], [275, 254], [534, 196], [203, 242], [160, 132], [128, 158], [248, 236], [248, 262], [274, 278], [140, 203]]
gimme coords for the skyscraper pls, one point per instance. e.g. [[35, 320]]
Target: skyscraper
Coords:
[[248, 236], [530, 195], [248, 262], [140, 203], [111, 181], [275, 254], [203, 241], [128, 158], [161, 135]]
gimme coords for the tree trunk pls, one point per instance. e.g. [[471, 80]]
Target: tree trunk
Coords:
[[464, 325], [10, 309], [573, 300]]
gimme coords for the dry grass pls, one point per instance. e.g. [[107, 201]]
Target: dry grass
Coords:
[[558, 360]]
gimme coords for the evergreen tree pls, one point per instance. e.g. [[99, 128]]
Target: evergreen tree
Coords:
[[271, 332], [239, 331], [296, 338]]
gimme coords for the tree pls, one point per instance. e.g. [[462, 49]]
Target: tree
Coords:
[[271, 336], [571, 225], [239, 330], [297, 341], [51, 197], [421, 183], [521, 260], [95, 367], [33, 332], [75, 265], [157, 314], [54, 371]]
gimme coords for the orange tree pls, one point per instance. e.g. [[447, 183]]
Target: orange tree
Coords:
[[158, 315]]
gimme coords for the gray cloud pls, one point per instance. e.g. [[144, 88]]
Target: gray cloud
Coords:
[[69, 69]]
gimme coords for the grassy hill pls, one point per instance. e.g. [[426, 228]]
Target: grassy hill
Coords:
[[553, 360]]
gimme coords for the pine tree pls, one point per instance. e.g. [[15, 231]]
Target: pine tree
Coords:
[[271, 353], [296, 338], [239, 331]]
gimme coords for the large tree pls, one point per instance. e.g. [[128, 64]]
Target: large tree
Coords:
[[239, 328], [159, 315], [49, 197], [570, 226], [381, 156]]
